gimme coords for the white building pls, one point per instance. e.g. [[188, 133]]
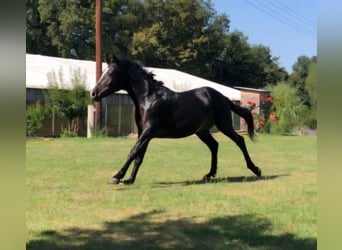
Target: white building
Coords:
[[117, 111]]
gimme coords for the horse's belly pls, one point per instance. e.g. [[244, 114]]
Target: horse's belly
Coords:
[[186, 115], [184, 127]]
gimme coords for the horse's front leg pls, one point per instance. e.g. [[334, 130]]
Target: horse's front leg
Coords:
[[138, 150], [137, 162]]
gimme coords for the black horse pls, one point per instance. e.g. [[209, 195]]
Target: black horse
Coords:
[[163, 113]]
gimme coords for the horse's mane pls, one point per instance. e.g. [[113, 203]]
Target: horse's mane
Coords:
[[137, 71]]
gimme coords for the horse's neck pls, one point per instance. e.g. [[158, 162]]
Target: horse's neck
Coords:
[[140, 91], [140, 94]]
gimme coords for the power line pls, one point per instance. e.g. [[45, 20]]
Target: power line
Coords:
[[285, 15], [297, 20], [295, 14], [266, 9], [280, 16]]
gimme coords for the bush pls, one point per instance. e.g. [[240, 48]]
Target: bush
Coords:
[[310, 118], [289, 108], [68, 103], [35, 115]]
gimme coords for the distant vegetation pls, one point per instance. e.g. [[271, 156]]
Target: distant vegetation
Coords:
[[188, 35]]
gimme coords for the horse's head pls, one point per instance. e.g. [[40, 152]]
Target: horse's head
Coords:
[[111, 80]]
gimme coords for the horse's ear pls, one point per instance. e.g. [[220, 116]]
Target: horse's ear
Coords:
[[107, 58], [112, 59], [115, 59]]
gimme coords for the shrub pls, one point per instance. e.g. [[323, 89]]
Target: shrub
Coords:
[[70, 103], [35, 115], [289, 109]]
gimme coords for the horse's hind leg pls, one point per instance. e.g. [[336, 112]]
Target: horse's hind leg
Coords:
[[229, 131], [207, 138]]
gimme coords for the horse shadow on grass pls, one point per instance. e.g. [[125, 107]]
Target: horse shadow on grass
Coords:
[[148, 231], [235, 179]]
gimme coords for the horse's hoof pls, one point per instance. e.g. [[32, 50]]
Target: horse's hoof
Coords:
[[113, 181], [258, 171], [206, 178], [128, 182]]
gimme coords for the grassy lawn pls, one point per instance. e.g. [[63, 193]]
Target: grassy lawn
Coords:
[[70, 206]]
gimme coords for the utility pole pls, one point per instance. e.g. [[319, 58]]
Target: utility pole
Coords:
[[98, 52]]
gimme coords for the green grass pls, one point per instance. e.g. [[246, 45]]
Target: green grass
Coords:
[[70, 206]]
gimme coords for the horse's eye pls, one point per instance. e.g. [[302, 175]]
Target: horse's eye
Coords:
[[111, 70]]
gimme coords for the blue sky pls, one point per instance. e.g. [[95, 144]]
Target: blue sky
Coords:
[[287, 27]]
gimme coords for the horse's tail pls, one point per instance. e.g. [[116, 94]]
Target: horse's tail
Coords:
[[247, 116]]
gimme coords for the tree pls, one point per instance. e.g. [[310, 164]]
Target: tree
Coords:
[[68, 103], [70, 26], [36, 40], [187, 35], [241, 64], [310, 84], [120, 20], [181, 34], [311, 88], [304, 78], [228, 66], [297, 78]]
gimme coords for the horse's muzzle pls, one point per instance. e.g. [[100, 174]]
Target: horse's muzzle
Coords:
[[94, 96]]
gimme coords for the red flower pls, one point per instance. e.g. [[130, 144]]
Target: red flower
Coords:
[[273, 116], [251, 104], [266, 99], [261, 123]]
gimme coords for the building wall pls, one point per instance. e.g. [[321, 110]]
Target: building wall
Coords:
[[255, 96], [247, 96], [117, 116], [119, 119]]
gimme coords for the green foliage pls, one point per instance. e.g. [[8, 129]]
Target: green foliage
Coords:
[[245, 65], [289, 108], [120, 20], [311, 88], [69, 26], [35, 115], [296, 100], [178, 34], [304, 78], [188, 35], [68, 103], [37, 42], [311, 84], [298, 76]]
